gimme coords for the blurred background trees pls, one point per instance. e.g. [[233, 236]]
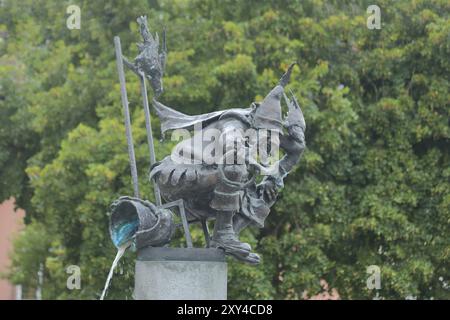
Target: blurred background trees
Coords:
[[372, 188]]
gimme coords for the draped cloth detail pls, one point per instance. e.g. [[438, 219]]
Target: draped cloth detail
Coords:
[[172, 119]]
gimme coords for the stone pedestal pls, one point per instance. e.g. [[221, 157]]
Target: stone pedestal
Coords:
[[180, 274]]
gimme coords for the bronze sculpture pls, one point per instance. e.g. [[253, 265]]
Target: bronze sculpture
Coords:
[[214, 174]]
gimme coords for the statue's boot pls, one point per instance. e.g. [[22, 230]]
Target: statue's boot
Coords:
[[229, 242], [251, 258], [224, 236]]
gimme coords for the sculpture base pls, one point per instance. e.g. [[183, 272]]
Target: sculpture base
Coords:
[[180, 274]]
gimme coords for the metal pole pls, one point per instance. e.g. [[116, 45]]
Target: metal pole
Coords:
[[187, 233], [123, 91], [184, 221], [148, 126], [206, 232]]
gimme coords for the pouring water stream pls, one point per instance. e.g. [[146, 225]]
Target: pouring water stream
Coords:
[[120, 252]]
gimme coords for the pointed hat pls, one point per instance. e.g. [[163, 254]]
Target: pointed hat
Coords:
[[268, 114]]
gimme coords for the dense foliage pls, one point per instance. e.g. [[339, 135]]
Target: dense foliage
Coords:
[[372, 188]]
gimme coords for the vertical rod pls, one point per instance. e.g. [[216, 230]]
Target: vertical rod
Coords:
[[185, 223], [148, 126], [187, 234], [206, 232], [123, 91]]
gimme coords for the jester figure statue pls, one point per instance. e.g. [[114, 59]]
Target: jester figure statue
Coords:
[[227, 168]]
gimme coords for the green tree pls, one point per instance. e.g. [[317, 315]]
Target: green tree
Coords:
[[371, 189]]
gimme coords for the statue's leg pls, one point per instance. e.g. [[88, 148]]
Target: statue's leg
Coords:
[[240, 222], [226, 202], [224, 236]]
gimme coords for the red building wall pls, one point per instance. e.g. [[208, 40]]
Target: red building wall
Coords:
[[10, 224]]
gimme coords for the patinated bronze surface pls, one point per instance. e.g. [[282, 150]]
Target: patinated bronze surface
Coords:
[[221, 171]]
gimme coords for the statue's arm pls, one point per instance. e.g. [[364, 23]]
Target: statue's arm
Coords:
[[293, 144]]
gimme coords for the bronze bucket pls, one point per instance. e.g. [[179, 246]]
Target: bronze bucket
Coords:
[[140, 221]]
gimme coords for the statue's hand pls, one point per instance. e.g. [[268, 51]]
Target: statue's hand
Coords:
[[297, 133], [268, 190]]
